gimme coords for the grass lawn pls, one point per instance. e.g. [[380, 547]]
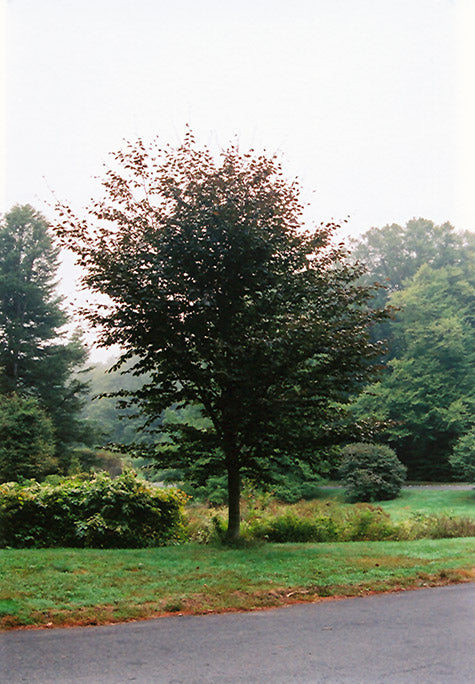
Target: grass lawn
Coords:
[[431, 501], [421, 500], [90, 586]]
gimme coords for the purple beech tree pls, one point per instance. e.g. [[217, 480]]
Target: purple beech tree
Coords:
[[225, 300]]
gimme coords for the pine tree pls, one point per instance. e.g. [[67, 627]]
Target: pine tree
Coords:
[[36, 358]]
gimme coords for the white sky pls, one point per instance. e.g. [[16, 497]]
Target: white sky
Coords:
[[370, 102]]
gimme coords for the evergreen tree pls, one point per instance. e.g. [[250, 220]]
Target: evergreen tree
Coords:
[[35, 356], [27, 439]]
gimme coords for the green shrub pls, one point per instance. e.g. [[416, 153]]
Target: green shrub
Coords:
[[265, 519], [293, 490], [90, 512], [371, 472], [168, 476], [85, 459], [462, 459], [214, 491], [292, 528]]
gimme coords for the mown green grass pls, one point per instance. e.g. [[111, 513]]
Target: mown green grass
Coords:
[[420, 500], [84, 586], [431, 502]]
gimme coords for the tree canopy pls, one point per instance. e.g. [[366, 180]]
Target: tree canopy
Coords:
[[428, 390], [393, 254], [462, 458], [36, 358], [226, 300]]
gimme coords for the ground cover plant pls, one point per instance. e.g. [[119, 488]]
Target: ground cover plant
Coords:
[[414, 499], [90, 586]]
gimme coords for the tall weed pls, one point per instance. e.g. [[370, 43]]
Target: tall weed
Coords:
[[266, 519]]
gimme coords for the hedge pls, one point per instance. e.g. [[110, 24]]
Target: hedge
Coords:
[[95, 511]]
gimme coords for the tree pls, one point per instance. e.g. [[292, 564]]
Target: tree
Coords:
[[27, 444], [35, 357], [395, 253], [428, 391], [392, 255], [462, 458], [225, 300]]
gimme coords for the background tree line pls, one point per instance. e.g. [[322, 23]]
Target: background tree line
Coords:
[[422, 401], [426, 391]]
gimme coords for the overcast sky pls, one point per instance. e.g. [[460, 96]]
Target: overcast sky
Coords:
[[369, 102]]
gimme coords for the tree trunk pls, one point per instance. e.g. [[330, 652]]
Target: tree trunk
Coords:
[[234, 494]]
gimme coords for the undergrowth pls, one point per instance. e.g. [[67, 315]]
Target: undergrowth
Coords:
[[266, 520]]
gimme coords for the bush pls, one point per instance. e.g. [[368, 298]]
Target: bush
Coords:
[[441, 526], [87, 460], [371, 472], [462, 459], [368, 523], [291, 491], [292, 528], [86, 511], [27, 439], [266, 519]]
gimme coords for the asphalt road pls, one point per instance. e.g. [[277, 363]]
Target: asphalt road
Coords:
[[424, 636]]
